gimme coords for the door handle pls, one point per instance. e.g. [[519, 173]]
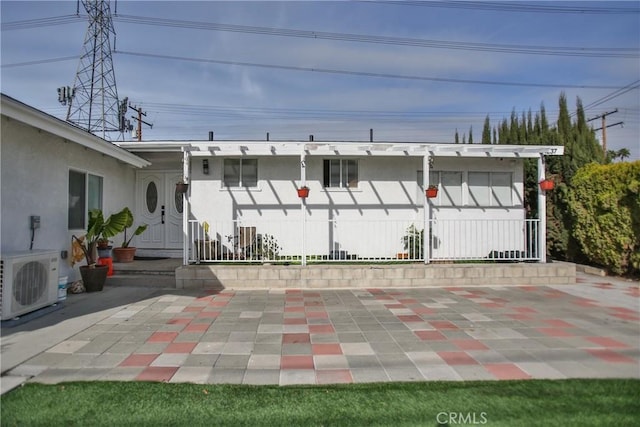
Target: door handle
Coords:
[[162, 214]]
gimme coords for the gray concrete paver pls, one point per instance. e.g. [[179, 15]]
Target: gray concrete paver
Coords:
[[312, 336]]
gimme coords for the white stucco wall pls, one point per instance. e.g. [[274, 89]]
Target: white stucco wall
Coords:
[[387, 189], [35, 179]]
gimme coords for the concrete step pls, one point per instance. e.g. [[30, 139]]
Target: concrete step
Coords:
[[142, 280]]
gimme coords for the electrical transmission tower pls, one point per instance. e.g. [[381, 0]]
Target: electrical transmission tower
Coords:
[[93, 99]]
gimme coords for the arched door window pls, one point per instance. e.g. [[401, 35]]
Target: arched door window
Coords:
[[152, 197]]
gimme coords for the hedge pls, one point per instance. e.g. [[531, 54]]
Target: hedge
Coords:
[[605, 206]]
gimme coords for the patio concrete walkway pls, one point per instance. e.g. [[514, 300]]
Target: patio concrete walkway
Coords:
[[590, 329]]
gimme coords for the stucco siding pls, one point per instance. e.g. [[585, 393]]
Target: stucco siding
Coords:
[[388, 189], [35, 179]]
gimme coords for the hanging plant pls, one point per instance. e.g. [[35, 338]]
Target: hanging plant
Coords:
[[432, 191], [303, 192], [546, 185]]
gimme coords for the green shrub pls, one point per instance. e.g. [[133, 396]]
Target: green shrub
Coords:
[[412, 242], [605, 206]]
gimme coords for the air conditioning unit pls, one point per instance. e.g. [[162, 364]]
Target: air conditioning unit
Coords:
[[28, 281]]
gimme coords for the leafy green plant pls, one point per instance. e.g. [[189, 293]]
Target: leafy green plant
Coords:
[[267, 247], [605, 206], [128, 223], [412, 242], [100, 229]]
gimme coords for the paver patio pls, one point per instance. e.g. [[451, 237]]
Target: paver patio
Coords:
[[590, 329]]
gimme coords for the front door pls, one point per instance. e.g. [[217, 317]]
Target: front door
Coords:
[[161, 207]]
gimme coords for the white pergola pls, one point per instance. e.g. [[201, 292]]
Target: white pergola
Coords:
[[304, 149]]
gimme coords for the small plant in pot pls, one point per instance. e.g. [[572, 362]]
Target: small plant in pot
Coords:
[[93, 275], [104, 248], [126, 253]]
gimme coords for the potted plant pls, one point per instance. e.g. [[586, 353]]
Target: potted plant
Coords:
[[207, 248], [104, 248], [432, 191], [93, 275], [303, 192], [546, 185], [126, 253], [412, 243]]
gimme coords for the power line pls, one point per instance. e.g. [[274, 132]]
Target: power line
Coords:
[[517, 7], [361, 73], [621, 91], [577, 51], [194, 109], [38, 62], [595, 52], [42, 22]]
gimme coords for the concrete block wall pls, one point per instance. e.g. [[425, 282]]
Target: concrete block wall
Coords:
[[371, 276]]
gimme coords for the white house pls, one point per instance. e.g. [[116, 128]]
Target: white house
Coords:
[[56, 171], [366, 201]]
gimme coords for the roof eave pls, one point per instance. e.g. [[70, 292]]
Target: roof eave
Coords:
[[24, 113]]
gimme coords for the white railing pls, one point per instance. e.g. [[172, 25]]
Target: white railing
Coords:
[[478, 239], [349, 240]]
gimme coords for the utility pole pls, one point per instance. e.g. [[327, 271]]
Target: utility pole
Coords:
[[140, 121], [604, 127]]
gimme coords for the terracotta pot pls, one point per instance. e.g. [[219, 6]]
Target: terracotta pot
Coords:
[[93, 278], [124, 254], [546, 185], [432, 193], [303, 192]]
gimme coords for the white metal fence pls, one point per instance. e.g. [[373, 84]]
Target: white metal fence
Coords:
[[349, 240], [478, 239]]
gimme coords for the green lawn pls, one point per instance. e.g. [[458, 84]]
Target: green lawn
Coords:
[[491, 403]]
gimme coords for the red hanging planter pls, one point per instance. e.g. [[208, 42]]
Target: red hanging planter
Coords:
[[546, 185], [303, 192], [432, 192]]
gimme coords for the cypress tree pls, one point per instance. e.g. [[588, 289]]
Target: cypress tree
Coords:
[[522, 131], [513, 128], [581, 147], [486, 131], [544, 124], [503, 133]]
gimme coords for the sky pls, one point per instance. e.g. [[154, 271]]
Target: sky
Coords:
[[411, 71]]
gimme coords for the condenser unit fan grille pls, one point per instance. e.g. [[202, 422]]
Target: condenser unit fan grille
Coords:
[[2, 284], [30, 283]]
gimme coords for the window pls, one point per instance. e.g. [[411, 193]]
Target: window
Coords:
[[341, 173], [85, 193], [240, 173], [501, 189], [450, 189], [479, 189], [490, 189]]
